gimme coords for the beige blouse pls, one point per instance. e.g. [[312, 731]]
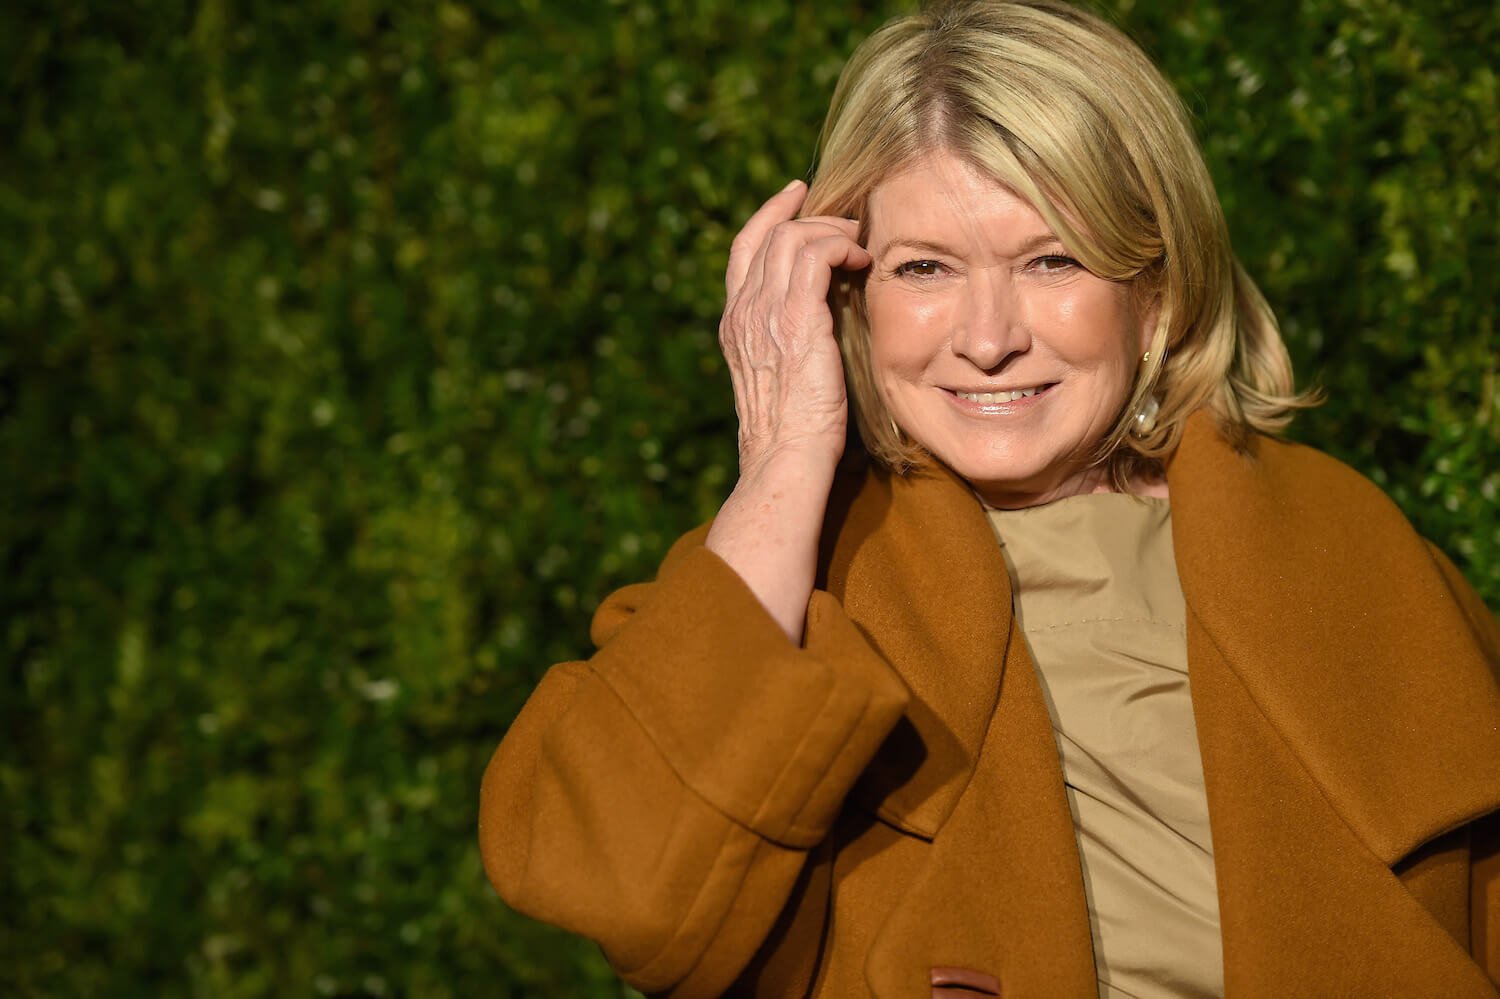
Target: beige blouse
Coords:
[[1098, 600]]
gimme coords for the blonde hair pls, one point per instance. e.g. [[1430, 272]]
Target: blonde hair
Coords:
[[1064, 109]]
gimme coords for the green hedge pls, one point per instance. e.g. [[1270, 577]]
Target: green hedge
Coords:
[[353, 350]]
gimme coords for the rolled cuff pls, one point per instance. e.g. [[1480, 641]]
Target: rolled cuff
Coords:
[[771, 735]]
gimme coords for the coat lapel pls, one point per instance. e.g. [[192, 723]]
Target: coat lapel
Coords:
[[1345, 716], [974, 767], [917, 568], [1001, 893]]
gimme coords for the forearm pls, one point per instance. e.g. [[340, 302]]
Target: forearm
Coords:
[[777, 334], [768, 532]]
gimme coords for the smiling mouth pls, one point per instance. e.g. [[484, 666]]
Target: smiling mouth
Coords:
[[984, 398]]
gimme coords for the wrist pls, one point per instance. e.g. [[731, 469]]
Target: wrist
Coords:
[[769, 528], [806, 464]]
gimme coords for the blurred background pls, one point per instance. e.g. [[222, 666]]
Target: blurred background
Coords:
[[352, 351]]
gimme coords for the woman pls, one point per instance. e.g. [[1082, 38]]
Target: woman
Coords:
[[919, 721]]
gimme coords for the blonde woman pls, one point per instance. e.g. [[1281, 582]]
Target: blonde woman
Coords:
[[1065, 676]]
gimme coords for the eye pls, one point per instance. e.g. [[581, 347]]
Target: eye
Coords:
[[1055, 263], [920, 268]]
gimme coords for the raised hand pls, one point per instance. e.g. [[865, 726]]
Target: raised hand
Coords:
[[777, 331], [777, 335]]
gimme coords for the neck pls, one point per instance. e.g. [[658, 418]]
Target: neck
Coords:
[[1095, 479]]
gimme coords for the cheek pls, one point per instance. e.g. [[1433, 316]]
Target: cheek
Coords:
[[1065, 312], [905, 332], [1097, 329]]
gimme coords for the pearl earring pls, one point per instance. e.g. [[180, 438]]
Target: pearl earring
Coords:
[[1145, 417]]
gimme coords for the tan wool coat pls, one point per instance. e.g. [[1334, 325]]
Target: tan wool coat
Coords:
[[881, 811]]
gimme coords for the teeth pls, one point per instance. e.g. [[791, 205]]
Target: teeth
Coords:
[[988, 397]]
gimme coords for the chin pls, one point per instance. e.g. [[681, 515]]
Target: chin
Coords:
[[1021, 479]]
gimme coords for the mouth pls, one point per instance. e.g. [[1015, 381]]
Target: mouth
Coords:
[[1010, 395]]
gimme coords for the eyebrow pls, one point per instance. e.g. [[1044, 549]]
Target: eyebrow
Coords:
[[1028, 246]]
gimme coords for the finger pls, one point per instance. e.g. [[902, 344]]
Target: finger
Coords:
[[807, 285], [780, 207], [849, 227], [791, 246]]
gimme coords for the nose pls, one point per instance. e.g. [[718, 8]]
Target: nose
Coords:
[[990, 323]]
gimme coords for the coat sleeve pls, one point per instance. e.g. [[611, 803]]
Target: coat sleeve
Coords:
[[662, 797]]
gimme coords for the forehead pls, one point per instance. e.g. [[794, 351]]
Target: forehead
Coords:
[[942, 191]]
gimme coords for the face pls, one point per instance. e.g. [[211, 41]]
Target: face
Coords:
[[992, 347]]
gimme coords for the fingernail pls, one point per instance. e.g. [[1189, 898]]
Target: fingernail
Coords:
[[794, 183]]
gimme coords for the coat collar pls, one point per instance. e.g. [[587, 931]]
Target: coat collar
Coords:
[[1345, 715], [1304, 581], [1308, 585]]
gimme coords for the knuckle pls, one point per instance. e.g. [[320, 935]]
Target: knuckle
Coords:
[[785, 232]]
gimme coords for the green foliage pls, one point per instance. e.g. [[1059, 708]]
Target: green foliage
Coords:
[[353, 351], [1356, 155]]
